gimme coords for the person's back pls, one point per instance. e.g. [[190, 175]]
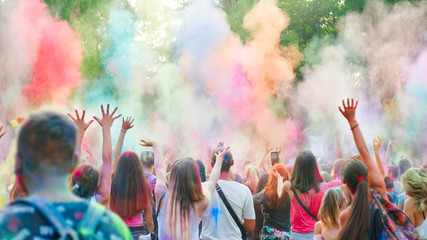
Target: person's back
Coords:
[[217, 222], [275, 208], [25, 221], [45, 156]]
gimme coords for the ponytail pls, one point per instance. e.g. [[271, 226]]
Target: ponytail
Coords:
[[355, 174]]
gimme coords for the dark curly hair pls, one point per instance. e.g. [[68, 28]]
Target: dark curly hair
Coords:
[[85, 181]]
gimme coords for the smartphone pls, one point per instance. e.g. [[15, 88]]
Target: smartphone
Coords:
[[274, 158]]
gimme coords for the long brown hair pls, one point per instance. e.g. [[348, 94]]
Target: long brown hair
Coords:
[[305, 173], [355, 174], [270, 191], [129, 187], [185, 190]]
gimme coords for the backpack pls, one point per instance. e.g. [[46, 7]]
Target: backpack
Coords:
[[395, 224], [86, 227]]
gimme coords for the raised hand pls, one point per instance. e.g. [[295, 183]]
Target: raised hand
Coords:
[[377, 143], [349, 111], [80, 121], [2, 134], [147, 143], [127, 124], [169, 156], [267, 148], [220, 156], [107, 118], [280, 182]]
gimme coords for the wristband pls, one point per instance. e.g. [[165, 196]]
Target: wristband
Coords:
[[354, 127], [123, 130]]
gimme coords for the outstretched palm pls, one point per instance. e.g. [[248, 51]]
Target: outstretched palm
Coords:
[[107, 118], [80, 121]]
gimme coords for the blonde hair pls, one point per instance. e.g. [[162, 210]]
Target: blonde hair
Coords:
[[252, 176], [332, 203], [414, 181]]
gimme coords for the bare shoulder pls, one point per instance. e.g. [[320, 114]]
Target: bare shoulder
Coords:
[[318, 228], [344, 216]]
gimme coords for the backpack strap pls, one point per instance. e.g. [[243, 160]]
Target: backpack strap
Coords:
[[231, 211], [160, 203], [304, 207], [91, 220], [52, 215]]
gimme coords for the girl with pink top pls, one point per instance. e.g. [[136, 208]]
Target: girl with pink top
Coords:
[[306, 190]]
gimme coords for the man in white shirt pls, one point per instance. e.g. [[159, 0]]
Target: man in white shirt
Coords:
[[217, 222]]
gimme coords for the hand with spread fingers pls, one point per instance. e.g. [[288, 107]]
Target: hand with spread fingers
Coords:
[[127, 123], [377, 143], [169, 156], [107, 118], [349, 111], [267, 148], [80, 121], [146, 143]]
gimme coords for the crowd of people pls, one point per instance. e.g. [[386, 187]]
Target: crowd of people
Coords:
[[156, 196]]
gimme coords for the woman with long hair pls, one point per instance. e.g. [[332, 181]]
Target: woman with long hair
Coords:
[[275, 207], [182, 200], [360, 173], [414, 183], [305, 190], [130, 195]]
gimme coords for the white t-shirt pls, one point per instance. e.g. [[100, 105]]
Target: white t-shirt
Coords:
[[217, 221]]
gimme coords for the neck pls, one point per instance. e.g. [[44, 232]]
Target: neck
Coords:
[[224, 176], [52, 188]]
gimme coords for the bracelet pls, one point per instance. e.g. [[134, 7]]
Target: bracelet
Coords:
[[355, 126], [123, 130]]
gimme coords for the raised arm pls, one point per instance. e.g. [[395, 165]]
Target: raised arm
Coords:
[[2, 134], [87, 149], [105, 186], [375, 179], [263, 160], [388, 152], [377, 145], [126, 125], [81, 129], [283, 187], [338, 149], [160, 167], [210, 185]]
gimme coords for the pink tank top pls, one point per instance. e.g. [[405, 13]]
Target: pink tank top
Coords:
[[301, 222], [135, 221]]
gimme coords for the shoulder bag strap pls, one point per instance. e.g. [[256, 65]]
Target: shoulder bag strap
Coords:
[[231, 211], [52, 215], [304, 207], [160, 203]]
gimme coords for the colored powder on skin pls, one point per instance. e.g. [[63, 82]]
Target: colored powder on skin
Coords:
[[55, 53]]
